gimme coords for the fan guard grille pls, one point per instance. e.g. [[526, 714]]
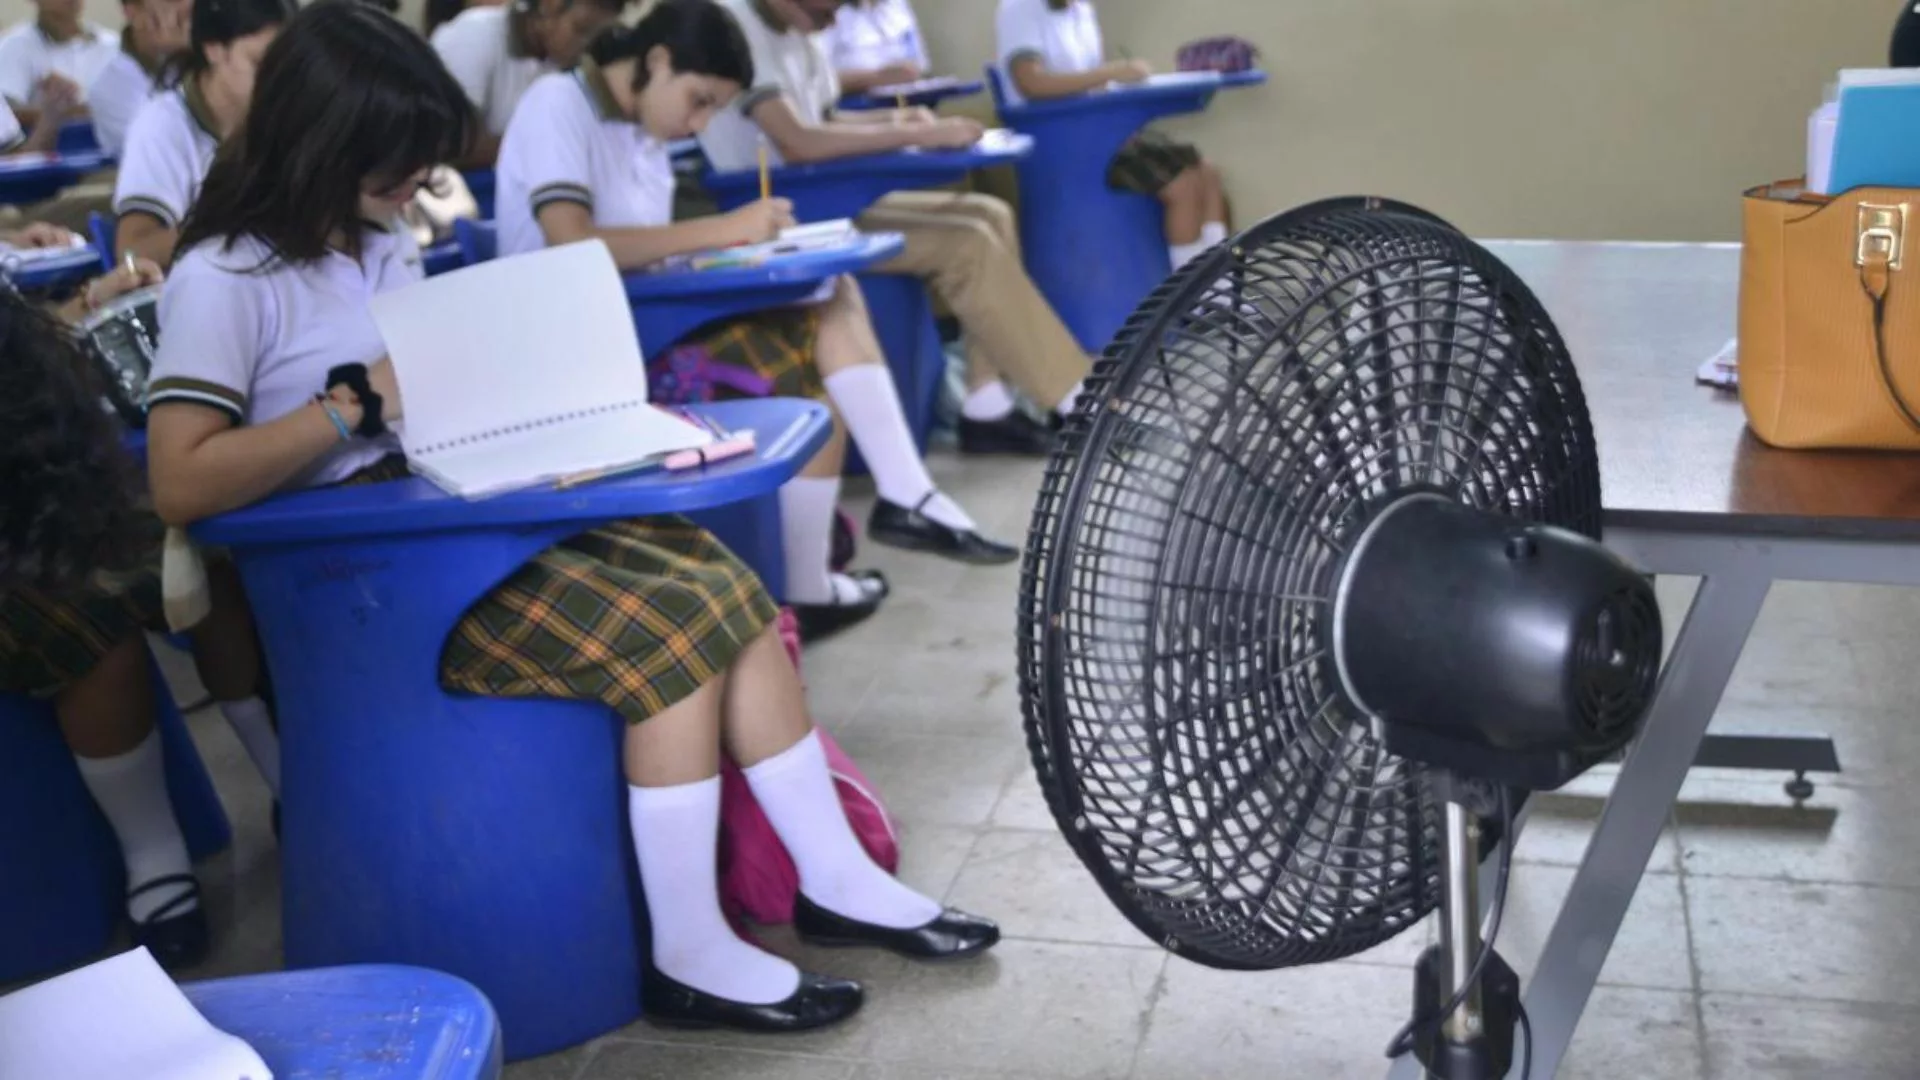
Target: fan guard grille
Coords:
[[1181, 706]]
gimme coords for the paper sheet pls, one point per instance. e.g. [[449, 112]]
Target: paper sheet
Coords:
[[115, 1020]]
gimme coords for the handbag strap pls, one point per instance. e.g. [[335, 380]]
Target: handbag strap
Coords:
[[1877, 259]]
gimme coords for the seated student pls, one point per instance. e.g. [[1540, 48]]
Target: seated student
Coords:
[[1051, 49], [173, 138], [876, 43], [156, 29], [437, 13], [586, 156], [293, 232], [80, 585], [45, 136], [53, 59], [496, 51], [965, 246]]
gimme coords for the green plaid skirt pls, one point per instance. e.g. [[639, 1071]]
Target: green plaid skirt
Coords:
[[1148, 162], [777, 345], [637, 614], [47, 641]]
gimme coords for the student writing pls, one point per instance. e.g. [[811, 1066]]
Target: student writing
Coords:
[[495, 52], [155, 31], [48, 63], [876, 43]]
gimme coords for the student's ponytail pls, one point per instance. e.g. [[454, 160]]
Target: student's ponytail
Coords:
[[700, 36], [221, 22]]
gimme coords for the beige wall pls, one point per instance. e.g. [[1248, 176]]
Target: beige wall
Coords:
[[1631, 119], [1635, 119]]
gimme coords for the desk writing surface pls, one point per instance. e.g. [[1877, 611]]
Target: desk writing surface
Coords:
[[1674, 455]]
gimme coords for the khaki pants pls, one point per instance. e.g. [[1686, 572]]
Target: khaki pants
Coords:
[[967, 249]]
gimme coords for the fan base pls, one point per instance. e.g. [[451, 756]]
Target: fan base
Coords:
[[1485, 1054]]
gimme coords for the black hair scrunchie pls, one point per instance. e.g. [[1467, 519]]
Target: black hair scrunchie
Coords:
[[354, 378]]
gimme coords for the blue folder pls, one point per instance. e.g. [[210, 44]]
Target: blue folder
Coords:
[[1877, 143]]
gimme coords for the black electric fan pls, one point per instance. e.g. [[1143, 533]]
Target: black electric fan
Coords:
[[1313, 596]]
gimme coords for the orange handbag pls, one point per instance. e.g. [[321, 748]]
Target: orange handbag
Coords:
[[1830, 317]]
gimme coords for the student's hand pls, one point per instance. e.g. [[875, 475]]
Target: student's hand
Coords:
[[914, 116], [1130, 71], [40, 234], [106, 287], [59, 95], [895, 74], [381, 380], [952, 133], [760, 222]]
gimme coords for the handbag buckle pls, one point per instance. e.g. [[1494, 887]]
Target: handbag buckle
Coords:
[[1883, 231]]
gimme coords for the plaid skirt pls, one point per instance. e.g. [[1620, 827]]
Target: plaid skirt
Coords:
[[637, 614], [47, 641], [1148, 162], [776, 345]]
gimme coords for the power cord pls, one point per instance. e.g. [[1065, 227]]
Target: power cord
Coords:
[[1402, 1042]]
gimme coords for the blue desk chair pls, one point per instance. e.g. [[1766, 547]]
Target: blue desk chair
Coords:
[[29, 178], [1093, 251], [385, 1021], [53, 273], [101, 229], [902, 311], [482, 837], [925, 93], [68, 893], [77, 137], [443, 257], [480, 182]]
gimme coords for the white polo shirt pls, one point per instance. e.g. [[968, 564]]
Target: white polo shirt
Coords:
[[871, 35], [254, 336], [11, 133], [27, 56], [115, 98], [1066, 41], [169, 149], [784, 62], [478, 49], [568, 143]]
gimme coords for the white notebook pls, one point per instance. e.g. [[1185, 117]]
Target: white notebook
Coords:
[[522, 371]]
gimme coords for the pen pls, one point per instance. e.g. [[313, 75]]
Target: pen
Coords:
[[133, 271], [766, 178]]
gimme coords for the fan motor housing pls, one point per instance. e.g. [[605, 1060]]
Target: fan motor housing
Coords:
[[1498, 648]]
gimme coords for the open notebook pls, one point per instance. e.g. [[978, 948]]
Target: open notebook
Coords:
[[526, 370]]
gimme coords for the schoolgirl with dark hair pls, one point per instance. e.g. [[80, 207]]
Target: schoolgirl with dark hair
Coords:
[[495, 51], [293, 232], [174, 136]]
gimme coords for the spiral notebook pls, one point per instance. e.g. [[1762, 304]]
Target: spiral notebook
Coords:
[[522, 371]]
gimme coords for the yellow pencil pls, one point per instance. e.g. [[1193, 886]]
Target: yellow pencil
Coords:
[[766, 178], [901, 101]]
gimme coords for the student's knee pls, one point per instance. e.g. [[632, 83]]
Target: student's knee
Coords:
[[1210, 176], [994, 212], [109, 710]]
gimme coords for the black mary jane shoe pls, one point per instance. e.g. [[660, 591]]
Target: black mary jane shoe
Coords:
[[821, 621], [897, 526], [820, 1002], [1015, 434], [177, 938], [952, 935]]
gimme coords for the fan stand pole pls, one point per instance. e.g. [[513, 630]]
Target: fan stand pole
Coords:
[[1474, 1042]]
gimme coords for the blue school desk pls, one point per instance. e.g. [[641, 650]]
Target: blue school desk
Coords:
[[440, 258], [28, 178], [901, 310], [480, 182], [925, 93], [51, 272], [365, 1021], [77, 137], [1096, 252], [66, 894], [482, 837]]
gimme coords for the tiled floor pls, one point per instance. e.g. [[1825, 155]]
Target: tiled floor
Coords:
[[1765, 941]]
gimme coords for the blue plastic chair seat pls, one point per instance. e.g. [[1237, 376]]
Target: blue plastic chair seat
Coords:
[[368, 1022]]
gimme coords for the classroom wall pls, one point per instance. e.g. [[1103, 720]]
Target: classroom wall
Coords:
[[1598, 119], [1625, 119]]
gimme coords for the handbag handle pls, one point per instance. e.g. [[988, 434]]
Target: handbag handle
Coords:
[[1881, 243]]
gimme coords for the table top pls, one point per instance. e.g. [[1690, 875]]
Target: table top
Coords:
[[49, 271], [25, 166], [1183, 87], [800, 268], [787, 432], [1676, 455], [997, 147], [920, 92]]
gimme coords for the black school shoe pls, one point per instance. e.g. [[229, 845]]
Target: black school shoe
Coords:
[[1015, 434], [820, 1002], [821, 621], [176, 938], [952, 935], [896, 526]]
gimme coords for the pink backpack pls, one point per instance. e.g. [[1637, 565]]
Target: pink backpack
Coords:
[[757, 877], [1229, 55]]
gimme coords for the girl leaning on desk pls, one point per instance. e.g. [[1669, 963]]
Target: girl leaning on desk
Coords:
[[585, 157], [293, 230]]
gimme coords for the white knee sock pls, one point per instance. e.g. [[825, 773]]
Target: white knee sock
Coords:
[[867, 400], [796, 791], [131, 789], [254, 725], [988, 403], [807, 504], [676, 833], [1065, 408], [1213, 233]]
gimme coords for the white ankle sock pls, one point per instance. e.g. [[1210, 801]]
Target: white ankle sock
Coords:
[[867, 400], [806, 530], [796, 791], [1065, 408], [132, 791], [1182, 254], [989, 403], [254, 725], [676, 833], [1213, 233]]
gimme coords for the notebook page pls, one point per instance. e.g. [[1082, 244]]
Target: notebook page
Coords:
[[511, 342], [122, 1017], [525, 459]]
